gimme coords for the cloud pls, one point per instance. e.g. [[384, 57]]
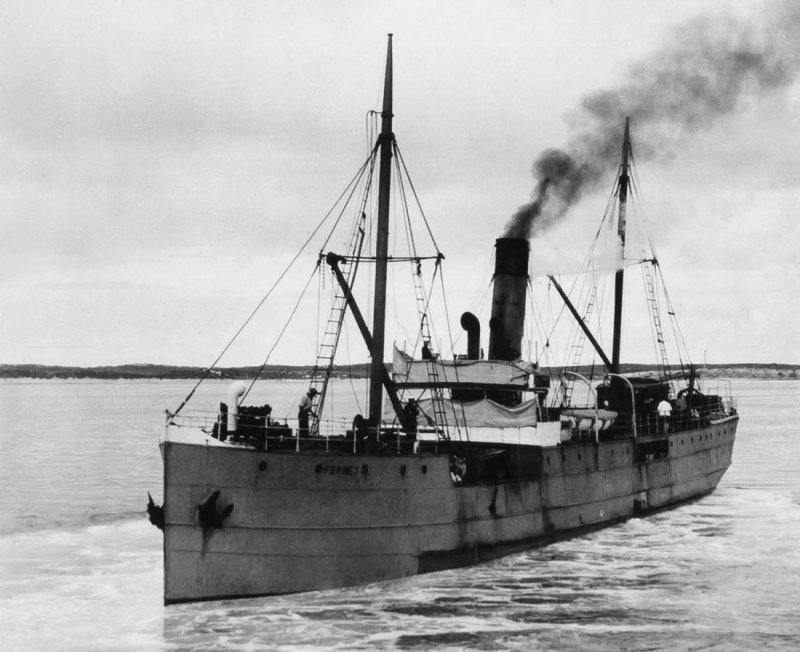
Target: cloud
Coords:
[[160, 161]]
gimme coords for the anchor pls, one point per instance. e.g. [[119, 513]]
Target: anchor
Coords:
[[155, 513], [208, 515]]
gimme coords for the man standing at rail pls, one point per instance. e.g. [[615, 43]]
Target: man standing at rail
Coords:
[[305, 409], [664, 413]]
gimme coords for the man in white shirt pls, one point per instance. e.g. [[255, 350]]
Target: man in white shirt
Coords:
[[664, 413], [304, 410]]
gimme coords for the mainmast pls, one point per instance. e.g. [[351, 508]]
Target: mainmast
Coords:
[[385, 139], [619, 278]]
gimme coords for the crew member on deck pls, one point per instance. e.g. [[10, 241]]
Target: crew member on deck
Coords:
[[664, 413], [410, 414], [303, 412]]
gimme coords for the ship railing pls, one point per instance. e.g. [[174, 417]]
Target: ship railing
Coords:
[[202, 419], [285, 434], [650, 424], [722, 388], [698, 416], [342, 436]]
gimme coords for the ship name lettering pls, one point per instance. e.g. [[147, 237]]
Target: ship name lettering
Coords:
[[340, 470]]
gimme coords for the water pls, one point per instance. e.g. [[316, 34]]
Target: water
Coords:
[[80, 566]]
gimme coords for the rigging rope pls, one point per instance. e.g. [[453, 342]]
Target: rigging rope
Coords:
[[455, 367], [350, 371], [371, 126], [353, 187], [681, 348], [416, 197], [283, 274], [283, 330]]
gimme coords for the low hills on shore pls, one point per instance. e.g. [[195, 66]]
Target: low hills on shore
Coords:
[[288, 372]]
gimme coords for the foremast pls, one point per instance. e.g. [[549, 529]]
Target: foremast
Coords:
[[386, 138], [619, 278]]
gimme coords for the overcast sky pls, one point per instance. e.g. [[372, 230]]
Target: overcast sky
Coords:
[[160, 162]]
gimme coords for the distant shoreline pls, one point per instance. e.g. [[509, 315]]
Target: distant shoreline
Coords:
[[304, 372]]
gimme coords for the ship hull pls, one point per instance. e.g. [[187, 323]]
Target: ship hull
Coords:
[[312, 520]]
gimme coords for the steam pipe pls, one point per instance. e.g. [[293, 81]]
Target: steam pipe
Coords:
[[472, 325], [235, 392]]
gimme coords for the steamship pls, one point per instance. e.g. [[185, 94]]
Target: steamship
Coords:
[[459, 460]]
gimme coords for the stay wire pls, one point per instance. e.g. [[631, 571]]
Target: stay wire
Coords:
[[352, 186], [350, 370], [283, 330], [283, 274], [452, 345], [416, 197]]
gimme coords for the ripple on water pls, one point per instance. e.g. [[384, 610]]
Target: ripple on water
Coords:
[[77, 554]]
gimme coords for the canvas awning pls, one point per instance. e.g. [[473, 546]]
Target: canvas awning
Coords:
[[408, 372], [484, 413]]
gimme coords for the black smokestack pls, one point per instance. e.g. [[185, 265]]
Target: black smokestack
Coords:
[[508, 298], [698, 76]]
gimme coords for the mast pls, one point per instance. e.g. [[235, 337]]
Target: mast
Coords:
[[619, 278], [386, 138]]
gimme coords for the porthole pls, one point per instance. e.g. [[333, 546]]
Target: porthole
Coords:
[[403, 470], [262, 465], [424, 468]]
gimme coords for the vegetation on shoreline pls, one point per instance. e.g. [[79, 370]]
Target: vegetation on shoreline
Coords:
[[170, 372], [283, 372]]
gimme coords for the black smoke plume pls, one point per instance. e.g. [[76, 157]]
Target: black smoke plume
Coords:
[[697, 77]]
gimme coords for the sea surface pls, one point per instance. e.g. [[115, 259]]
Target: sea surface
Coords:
[[80, 566]]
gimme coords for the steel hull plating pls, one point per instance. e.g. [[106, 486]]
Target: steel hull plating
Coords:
[[311, 520]]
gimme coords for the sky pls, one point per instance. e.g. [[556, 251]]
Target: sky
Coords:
[[163, 162]]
